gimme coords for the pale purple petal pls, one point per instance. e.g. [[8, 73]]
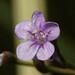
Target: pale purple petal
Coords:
[[46, 51], [52, 30], [22, 29], [38, 19], [27, 50]]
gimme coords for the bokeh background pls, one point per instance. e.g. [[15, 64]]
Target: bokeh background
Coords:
[[15, 11]]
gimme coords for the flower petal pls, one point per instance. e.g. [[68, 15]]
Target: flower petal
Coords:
[[38, 19], [27, 50], [22, 29], [52, 30], [46, 51]]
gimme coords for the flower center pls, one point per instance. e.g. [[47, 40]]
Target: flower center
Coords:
[[40, 37]]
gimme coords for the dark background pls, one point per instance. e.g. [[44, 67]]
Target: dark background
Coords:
[[6, 36], [63, 12]]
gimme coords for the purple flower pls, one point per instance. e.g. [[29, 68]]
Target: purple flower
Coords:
[[37, 36]]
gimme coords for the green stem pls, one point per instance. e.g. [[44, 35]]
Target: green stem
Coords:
[[50, 68], [20, 62], [61, 70], [13, 59]]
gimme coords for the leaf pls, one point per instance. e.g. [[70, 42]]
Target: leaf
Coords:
[[67, 49]]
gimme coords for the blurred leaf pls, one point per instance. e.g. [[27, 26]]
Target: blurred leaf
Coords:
[[67, 49]]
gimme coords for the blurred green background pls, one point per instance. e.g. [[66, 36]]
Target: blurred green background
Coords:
[[60, 11]]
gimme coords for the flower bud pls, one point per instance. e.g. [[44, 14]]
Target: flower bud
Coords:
[[4, 58], [1, 58]]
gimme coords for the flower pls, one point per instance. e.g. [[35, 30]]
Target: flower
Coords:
[[37, 35]]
